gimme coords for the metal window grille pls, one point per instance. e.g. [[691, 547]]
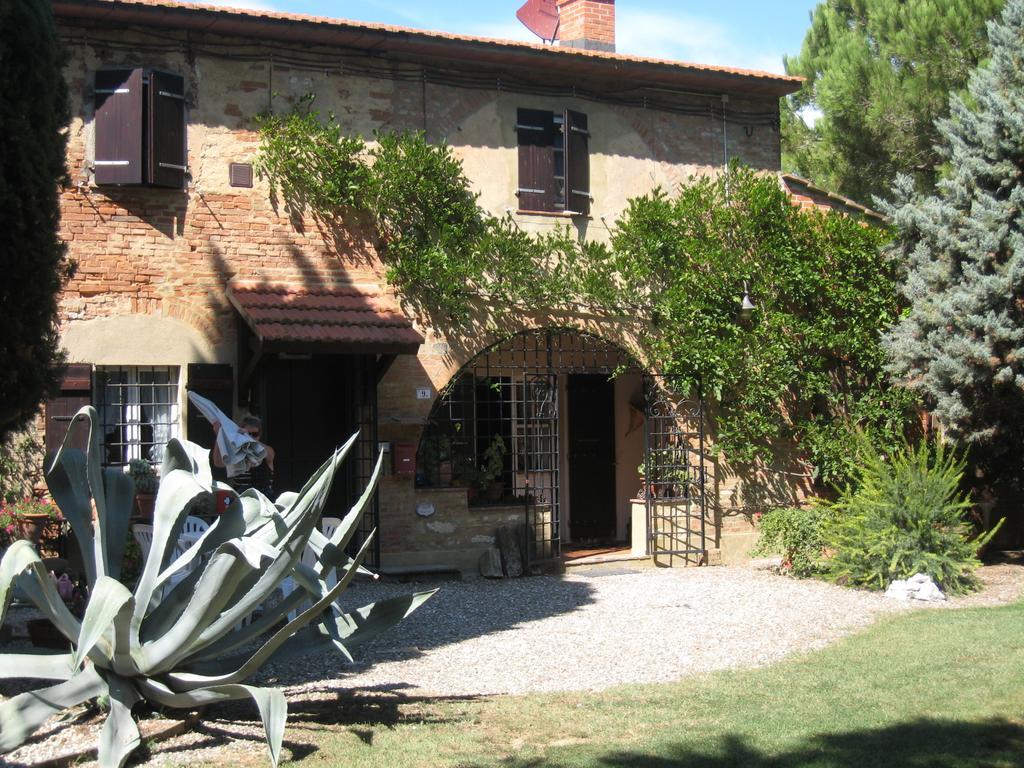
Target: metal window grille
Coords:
[[138, 409], [510, 393]]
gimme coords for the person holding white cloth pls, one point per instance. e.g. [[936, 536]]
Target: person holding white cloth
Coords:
[[248, 463], [259, 476]]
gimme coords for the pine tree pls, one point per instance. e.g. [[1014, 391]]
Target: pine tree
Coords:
[[33, 114], [961, 343], [881, 72]]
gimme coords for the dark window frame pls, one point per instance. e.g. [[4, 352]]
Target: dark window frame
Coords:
[[139, 128], [554, 161]]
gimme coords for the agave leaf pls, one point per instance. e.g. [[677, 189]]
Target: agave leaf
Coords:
[[120, 735], [185, 680], [270, 701], [274, 710], [67, 484], [119, 495], [120, 634], [42, 666], [369, 622], [21, 563], [214, 589], [21, 715], [241, 635], [19, 556], [350, 630], [187, 457], [177, 489], [106, 601], [310, 504], [334, 553], [318, 542]]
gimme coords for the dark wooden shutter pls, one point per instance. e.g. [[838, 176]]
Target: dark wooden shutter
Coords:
[[118, 126], [536, 129], [216, 383], [75, 393], [166, 130], [577, 163]]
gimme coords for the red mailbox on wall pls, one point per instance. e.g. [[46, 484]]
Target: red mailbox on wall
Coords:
[[404, 459]]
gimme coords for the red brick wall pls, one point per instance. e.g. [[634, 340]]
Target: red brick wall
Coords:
[[591, 20]]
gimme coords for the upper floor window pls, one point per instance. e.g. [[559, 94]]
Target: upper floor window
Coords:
[[139, 128], [138, 409], [554, 161]]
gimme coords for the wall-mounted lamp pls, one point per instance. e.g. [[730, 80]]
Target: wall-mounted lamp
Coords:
[[747, 307]]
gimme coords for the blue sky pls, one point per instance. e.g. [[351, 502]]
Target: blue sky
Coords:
[[742, 33]]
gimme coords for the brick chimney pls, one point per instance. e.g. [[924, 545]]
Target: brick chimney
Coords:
[[588, 24]]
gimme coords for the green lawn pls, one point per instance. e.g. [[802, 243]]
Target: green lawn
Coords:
[[933, 688]]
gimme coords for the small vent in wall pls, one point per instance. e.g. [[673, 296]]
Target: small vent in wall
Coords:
[[240, 174]]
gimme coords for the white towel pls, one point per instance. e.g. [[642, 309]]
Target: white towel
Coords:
[[237, 447]]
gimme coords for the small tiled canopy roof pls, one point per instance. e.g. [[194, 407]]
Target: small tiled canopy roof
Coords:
[[353, 319]]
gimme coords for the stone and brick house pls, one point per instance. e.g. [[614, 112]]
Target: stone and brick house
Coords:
[[189, 277]]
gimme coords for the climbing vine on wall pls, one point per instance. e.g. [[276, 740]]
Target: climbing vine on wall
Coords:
[[802, 371]]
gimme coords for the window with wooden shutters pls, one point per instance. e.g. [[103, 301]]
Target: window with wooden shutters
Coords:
[[75, 393], [577, 162], [118, 133], [139, 128], [554, 161], [166, 130]]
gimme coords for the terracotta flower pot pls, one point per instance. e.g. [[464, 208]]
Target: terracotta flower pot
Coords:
[[145, 504]]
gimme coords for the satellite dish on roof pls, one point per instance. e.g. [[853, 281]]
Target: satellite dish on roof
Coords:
[[541, 18]]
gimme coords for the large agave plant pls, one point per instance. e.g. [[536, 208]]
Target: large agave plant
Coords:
[[182, 646]]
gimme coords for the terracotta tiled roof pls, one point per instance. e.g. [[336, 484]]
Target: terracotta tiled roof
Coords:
[[807, 194], [263, 24], [351, 318]]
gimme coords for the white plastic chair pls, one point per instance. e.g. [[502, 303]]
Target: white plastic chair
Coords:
[[144, 538], [328, 526], [195, 524]]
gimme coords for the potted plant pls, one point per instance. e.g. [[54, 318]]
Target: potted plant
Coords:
[[28, 518], [489, 478], [146, 485]]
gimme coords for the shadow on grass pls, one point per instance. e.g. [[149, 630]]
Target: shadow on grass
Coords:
[[994, 743], [361, 712]]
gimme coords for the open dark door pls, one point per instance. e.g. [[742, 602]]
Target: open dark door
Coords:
[[591, 457], [310, 406]]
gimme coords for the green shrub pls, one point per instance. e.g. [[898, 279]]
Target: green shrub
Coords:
[[797, 533], [905, 516]]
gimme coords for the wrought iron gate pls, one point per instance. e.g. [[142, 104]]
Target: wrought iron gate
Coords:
[[540, 457], [674, 473]]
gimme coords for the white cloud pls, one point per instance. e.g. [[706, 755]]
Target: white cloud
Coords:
[[688, 38]]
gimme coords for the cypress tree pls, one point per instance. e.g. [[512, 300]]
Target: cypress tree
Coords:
[[961, 343], [33, 116]]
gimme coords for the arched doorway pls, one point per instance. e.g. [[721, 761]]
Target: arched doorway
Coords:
[[550, 422]]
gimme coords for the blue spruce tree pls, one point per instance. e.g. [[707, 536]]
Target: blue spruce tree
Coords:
[[961, 342]]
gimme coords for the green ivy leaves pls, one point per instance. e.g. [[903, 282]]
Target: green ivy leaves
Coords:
[[800, 373]]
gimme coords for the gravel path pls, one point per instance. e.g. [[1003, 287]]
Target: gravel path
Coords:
[[606, 626], [592, 629]]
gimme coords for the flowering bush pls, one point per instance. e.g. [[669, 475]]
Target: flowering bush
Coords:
[[30, 506], [12, 512]]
